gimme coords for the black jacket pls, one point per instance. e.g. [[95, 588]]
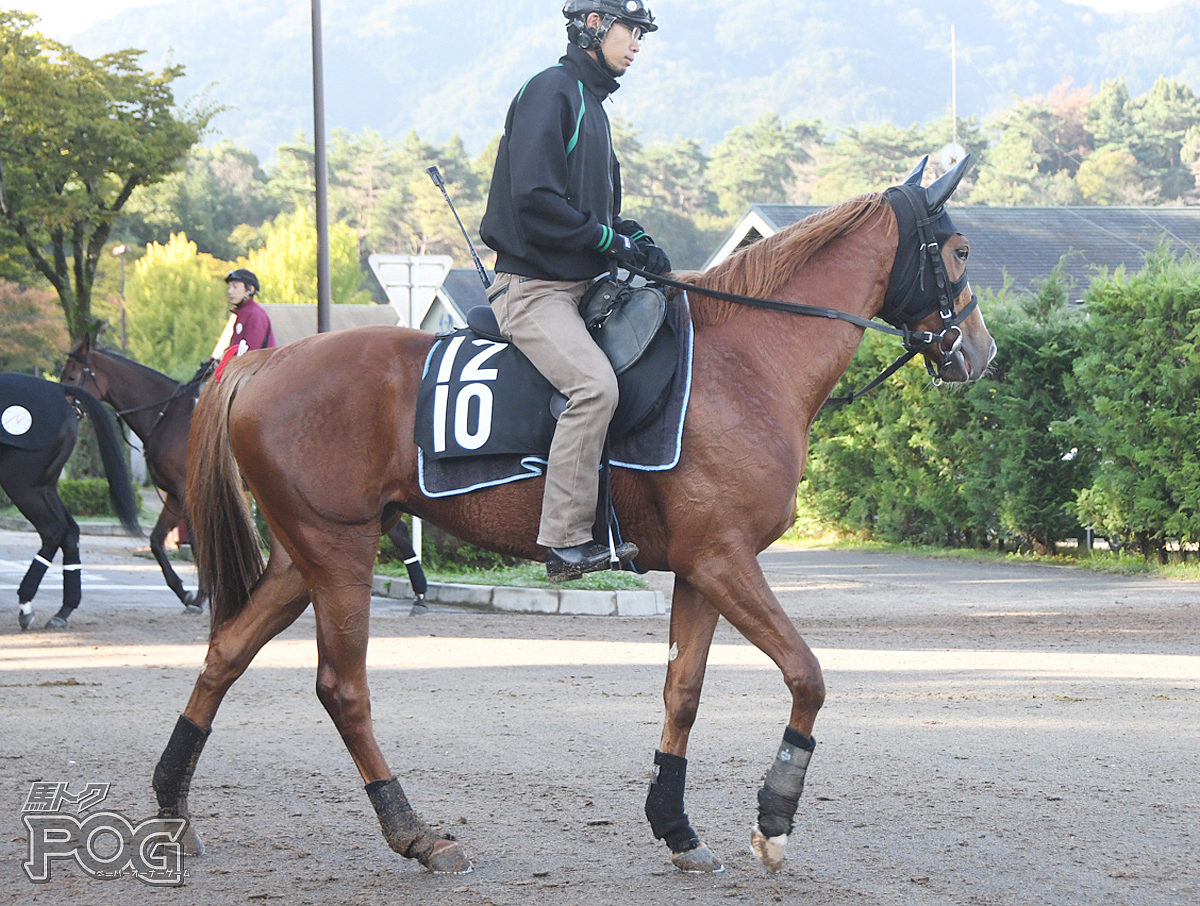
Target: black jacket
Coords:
[[556, 190]]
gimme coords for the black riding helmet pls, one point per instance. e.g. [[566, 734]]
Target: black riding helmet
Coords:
[[243, 276], [633, 13]]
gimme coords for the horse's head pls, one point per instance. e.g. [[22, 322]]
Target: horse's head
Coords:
[[928, 294], [77, 369]]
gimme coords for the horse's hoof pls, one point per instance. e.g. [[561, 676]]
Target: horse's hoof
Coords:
[[192, 609], [190, 842], [419, 607], [771, 851], [700, 859], [56, 622], [447, 858], [25, 615]]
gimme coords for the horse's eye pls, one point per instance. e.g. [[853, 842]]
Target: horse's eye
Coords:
[[963, 253]]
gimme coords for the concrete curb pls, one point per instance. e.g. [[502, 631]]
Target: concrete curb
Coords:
[[529, 600], [21, 524]]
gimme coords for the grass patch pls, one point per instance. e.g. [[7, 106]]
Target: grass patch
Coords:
[[524, 575], [1122, 563]]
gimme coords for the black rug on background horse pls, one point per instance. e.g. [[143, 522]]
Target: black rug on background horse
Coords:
[[31, 411], [485, 416]]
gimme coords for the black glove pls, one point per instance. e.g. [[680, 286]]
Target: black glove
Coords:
[[625, 251], [656, 259]]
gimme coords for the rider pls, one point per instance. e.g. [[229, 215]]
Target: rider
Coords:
[[252, 324], [553, 219]]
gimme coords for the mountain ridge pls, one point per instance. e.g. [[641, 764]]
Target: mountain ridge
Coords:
[[446, 67]]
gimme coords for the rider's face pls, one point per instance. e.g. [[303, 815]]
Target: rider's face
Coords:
[[237, 291], [620, 45]]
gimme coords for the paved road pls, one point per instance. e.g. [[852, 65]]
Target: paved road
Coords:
[[114, 575]]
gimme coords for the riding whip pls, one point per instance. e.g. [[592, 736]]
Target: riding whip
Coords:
[[436, 176]]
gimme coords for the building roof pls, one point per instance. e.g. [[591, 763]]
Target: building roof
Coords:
[[293, 322], [1025, 243], [464, 288]]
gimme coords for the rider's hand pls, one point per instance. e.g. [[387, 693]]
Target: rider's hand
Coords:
[[625, 251], [656, 259]]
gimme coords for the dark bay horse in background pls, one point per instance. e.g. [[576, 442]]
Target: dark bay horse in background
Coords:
[[41, 422], [321, 431], [158, 409]]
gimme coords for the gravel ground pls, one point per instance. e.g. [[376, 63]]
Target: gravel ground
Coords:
[[994, 734]]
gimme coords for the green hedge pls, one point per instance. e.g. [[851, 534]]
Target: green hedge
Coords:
[[1087, 418], [88, 497], [988, 463]]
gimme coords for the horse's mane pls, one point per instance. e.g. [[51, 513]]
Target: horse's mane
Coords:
[[762, 268]]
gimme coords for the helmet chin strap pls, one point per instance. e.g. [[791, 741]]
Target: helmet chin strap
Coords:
[[606, 22]]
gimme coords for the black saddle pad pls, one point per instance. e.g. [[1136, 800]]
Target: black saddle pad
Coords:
[[32, 411], [485, 415]]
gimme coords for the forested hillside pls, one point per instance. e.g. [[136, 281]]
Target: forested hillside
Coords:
[[442, 67]]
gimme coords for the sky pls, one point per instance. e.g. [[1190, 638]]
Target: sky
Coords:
[[62, 19]]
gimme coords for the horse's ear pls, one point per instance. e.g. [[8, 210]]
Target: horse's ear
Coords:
[[939, 193], [918, 172]]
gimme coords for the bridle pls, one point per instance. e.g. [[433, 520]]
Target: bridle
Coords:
[[908, 300], [910, 297], [161, 405]]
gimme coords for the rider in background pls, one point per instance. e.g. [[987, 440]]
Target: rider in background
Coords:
[[251, 323], [553, 218]]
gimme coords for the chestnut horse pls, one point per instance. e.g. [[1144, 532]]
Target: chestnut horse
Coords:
[[158, 409], [321, 432]]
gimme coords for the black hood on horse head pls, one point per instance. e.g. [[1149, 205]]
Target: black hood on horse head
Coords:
[[914, 206]]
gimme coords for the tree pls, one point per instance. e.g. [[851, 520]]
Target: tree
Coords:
[[1111, 176], [286, 265], [176, 306], [219, 189], [866, 160], [1022, 467], [665, 189], [32, 337], [1162, 118], [755, 163], [1012, 177], [77, 137]]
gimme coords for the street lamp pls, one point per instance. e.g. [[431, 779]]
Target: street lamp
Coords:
[[120, 251]]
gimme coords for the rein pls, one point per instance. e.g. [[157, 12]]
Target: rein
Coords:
[[914, 341], [162, 405]]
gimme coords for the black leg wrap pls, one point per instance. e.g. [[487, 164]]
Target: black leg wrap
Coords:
[[416, 576], [33, 578], [664, 804], [780, 793], [403, 829], [173, 774], [72, 586]]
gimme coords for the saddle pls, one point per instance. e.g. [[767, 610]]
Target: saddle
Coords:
[[480, 396]]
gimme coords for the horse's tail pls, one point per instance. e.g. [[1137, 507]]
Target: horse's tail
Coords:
[[112, 455], [225, 538]]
